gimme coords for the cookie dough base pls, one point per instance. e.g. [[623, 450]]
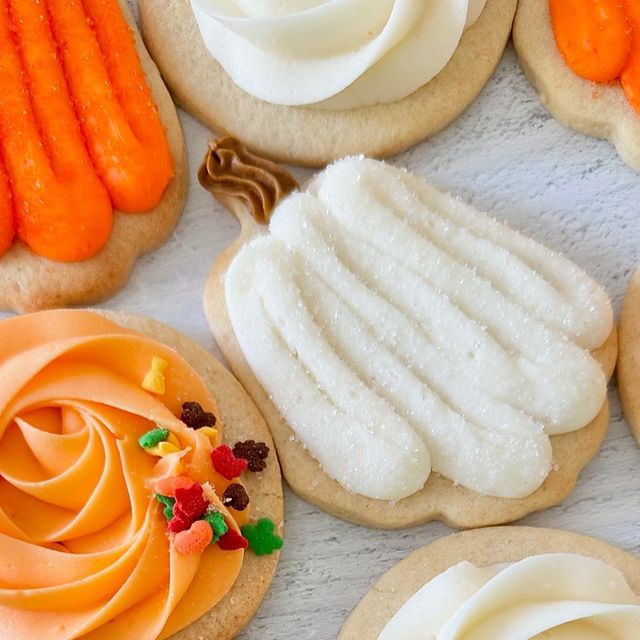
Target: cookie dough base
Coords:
[[440, 499], [482, 547], [307, 135], [30, 283], [599, 110], [242, 421], [629, 361]]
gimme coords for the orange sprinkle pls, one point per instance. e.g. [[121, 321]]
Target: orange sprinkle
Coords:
[[168, 486], [195, 540]]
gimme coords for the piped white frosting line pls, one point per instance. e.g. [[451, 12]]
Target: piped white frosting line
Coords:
[[339, 54], [552, 596], [396, 328]]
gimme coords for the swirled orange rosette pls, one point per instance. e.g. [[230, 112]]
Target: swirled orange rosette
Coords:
[[84, 548]]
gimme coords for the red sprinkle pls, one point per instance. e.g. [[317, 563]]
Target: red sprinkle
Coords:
[[226, 464], [232, 540], [178, 523], [190, 502], [168, 486]]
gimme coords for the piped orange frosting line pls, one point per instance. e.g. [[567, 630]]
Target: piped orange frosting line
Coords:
[[630, 77], [600, 40], [7, 218], [84, 551], [79, 130], [62, 210], [119, 119], [593, 36]]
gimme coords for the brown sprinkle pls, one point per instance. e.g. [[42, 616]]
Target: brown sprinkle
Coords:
[[235, 497], [195, 417], [255, 453]]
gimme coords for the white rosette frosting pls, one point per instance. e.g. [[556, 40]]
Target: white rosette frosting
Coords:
[[551, 596], [338, 54]]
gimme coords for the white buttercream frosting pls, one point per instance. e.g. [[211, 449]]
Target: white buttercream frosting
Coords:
[[551, 596], [396, 329], [340, 54]]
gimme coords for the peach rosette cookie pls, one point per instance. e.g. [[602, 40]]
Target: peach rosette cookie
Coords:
[[414, 358], [122, 514]]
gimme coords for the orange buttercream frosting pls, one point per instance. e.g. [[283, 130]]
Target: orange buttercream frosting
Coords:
[[84, 547]]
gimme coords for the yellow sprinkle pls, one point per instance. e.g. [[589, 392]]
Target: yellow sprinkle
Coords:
[[163, 449], [211, 433], [173, 439], [154, 378]]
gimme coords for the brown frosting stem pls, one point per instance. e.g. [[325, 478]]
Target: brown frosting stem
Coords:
[[230, 169]]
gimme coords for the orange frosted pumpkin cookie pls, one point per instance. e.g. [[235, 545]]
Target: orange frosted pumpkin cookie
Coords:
[[583, 56], [92, 158]]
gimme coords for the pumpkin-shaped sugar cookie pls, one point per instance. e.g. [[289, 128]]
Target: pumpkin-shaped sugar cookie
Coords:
[[414, 358], [92, 157], [583, 57]]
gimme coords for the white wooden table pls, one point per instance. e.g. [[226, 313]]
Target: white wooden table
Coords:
[[507, 156]]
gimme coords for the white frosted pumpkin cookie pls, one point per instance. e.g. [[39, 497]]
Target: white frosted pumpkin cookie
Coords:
[[628, 370], [598, 109], [503, 583], [311, 81], [414, 358], [124, 514]]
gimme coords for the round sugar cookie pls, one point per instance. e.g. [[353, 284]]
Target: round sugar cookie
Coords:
[[440, 499], [29, 282], [628, 372], [308, 135], [242, 421], [599, 110], [482, 547]]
